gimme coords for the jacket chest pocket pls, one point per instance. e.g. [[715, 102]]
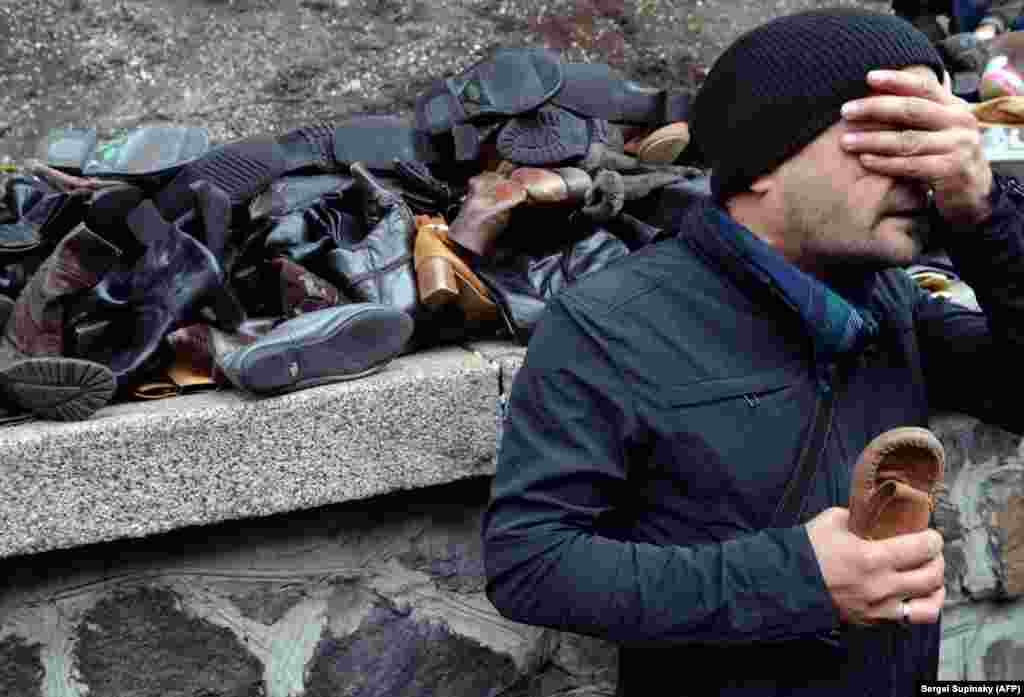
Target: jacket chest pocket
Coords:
[[734, 439]]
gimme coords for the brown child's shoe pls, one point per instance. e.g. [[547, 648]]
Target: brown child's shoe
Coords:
[[894, 483]]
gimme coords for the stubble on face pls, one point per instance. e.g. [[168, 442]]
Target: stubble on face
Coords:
[[841, 219]]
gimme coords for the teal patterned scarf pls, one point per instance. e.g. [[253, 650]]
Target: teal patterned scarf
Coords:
[[837, 325]]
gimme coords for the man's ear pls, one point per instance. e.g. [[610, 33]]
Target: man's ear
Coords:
[[763, 184], [753, 197]]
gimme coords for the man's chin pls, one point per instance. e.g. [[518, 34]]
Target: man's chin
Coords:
[[909, 240], [892, 249]]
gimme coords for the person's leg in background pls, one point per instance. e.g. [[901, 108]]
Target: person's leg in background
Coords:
[[967, 14], [923, 14]]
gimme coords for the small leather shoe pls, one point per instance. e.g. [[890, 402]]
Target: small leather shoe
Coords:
[[894, 483]]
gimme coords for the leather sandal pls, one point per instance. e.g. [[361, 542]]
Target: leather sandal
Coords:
[[894, 483]]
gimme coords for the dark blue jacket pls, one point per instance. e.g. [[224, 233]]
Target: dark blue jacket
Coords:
[[654, 425]]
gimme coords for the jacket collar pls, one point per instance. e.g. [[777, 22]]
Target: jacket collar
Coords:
[[837, 321]]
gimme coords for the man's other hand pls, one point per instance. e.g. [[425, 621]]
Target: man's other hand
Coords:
[[928, 135], [870, 579]]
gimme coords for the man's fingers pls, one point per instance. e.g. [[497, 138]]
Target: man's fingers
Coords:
[[918, 582], [930, 136], [905, 143], [923, 609], [900, 82], [906, 552], [910, 112], [929, 168]]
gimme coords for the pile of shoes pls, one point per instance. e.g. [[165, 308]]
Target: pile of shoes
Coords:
[[160, 263]]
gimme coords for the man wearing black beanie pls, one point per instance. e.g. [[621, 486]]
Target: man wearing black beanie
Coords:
[[675, 467]]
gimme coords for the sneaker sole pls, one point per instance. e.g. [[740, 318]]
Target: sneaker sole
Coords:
[[356, 347], [63, 389]]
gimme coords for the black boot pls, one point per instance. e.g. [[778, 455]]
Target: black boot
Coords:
[[34, 372], [165, 288], [305, 235], [241, 169], [378, 268]]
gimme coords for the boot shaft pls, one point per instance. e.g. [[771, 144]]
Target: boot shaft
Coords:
[[36, 325], [486, 212]]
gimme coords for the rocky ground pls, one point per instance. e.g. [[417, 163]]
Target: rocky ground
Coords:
[[241, 67]]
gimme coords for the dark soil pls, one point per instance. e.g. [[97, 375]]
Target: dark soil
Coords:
[[242, 67]]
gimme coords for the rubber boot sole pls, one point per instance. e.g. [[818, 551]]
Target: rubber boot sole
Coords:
[[63, 389]]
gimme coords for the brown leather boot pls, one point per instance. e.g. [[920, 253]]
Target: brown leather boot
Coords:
[[894, 483], [566, 186], [486, 212], [33, 371], [443, 277]]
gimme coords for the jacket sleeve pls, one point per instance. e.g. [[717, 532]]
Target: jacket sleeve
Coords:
[[563, 468], [972, 360]]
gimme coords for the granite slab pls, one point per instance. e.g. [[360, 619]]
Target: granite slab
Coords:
[[505, 356], [147, 467]]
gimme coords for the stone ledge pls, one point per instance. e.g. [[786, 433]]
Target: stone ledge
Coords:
[[143, 468]]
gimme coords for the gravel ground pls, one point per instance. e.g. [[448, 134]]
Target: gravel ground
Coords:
[[241, 67]]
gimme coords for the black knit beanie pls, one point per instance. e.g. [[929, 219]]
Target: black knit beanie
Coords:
[[780, 85]]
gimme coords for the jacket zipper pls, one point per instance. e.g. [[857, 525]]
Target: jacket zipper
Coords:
[[794, 500]]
